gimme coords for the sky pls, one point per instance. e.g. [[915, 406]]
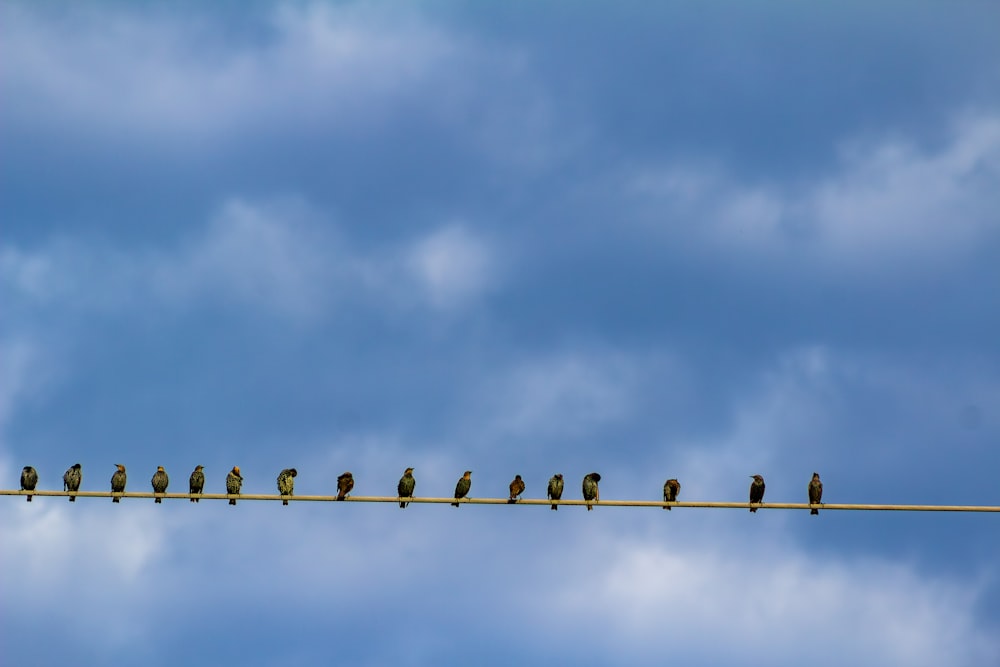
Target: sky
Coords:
[[700, 240]]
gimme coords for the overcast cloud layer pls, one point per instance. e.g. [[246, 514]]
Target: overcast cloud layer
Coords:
[[698, 241]]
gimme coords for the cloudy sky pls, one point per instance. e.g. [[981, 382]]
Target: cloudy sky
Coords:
[[680, 239]]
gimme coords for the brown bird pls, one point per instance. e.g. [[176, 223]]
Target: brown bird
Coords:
[[815, 492], [516, 488], [29, 479], [196, 484], [344, 485], [405, 487], [555, 489], [756, 492], [72, 479], [234, 482], [286, 483], [670, 490], [118, 481], [591, 492], [160, 482], [463, 486]]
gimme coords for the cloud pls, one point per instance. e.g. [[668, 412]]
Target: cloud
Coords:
[[891, 206], [275, 257], [712, 602], [452, 266]]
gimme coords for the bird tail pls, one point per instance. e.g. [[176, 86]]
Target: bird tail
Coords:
[[72, 499], [454, 504], [284, 502], [157, 500], [194, 500], [666, 508], [340, 496], [590, 507], [115, 500], [402, 505], [555, 507], [814, 511], [753, 509], [511, 501], [29, 499], [232, 501]]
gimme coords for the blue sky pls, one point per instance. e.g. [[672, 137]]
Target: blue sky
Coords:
[[701, 240]]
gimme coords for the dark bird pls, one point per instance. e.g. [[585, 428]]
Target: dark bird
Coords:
[[590, 490], [286, 483], [118, 482], [405, 487], [516, 488], [463, 486], [72, 479], [344, 485], [671, 488], [234, 482], [756, 492], [815, 492], [160, 482], [29, 479], [555, 489], [197, 482]]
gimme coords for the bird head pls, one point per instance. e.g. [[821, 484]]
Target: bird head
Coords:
[[77, 466], [757, 478], [559, 476], [408, 471], [236, 471], [120, 467], [517, 478], [468, 474], [595, 476], [160, 469], [293, 472], [199, 468]]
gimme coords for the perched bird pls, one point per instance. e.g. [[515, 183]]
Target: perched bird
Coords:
[[344, 485], [118, 482], [72, 479], [516, 488], [160, 482], [815, 492], [756, 492], [555, 489], [286, 483], [234, 482], [197, 482], [405, 487], [590, 490], [670, 490], [463, 486], [29, 479]]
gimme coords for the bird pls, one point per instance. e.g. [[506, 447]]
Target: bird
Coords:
[[670, 490], [756, 492], [405, 487], [118, 481], [555, 489], [286, 483], [234, 482], [463, 486], [72, 479], [160, 482], [516, 488], [29, 479], [345, 483], [197, 482], [815, 492], [590, 489]]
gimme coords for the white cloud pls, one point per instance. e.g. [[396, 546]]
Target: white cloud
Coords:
[[719, 599], [452, 266], [891, 206]]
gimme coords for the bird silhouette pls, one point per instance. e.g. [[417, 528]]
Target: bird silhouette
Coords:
[[405, 487], [344, 485], [555, 489], [160, 482], [670, 490], [197, 482], [29, 479], [756, 492], [591, 492], [234, 483], [815, 492], [516, 489], [118, 481], [72, 479], [286, 483], [463, 486]]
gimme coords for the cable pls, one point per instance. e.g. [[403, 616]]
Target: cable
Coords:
[[505, 501]]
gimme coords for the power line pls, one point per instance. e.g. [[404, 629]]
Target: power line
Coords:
[[505, 501]]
